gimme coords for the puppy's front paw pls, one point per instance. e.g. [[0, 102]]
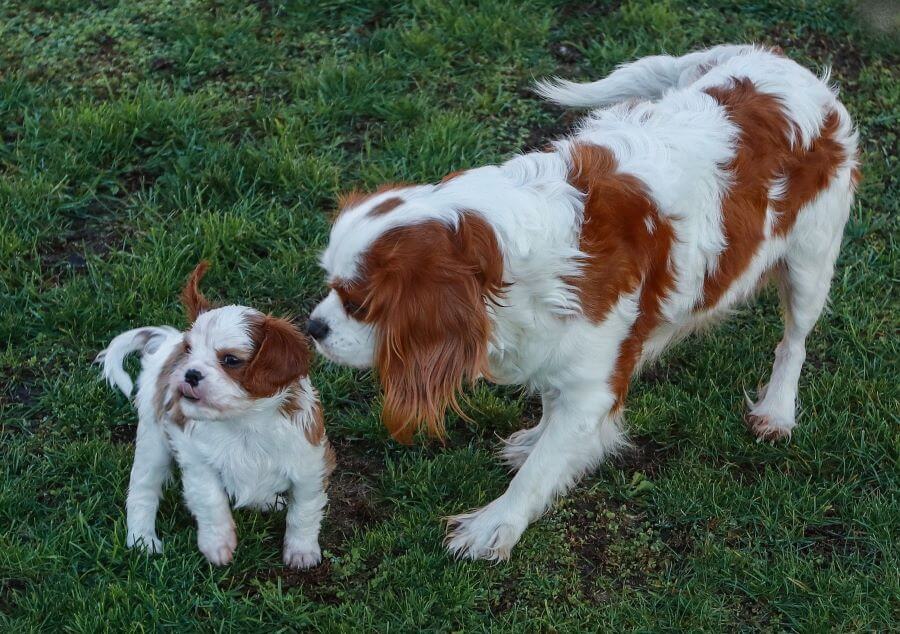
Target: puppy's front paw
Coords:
[[301, 554], [486, 533], [148, 543], [217, 543]]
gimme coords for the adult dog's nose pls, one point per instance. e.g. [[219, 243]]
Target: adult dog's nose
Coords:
[[317, 329], [192, 377]]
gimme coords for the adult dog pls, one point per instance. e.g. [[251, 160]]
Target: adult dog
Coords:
[[694, 180]]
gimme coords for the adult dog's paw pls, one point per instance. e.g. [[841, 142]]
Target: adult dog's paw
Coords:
[[486, 533], [769, 422]]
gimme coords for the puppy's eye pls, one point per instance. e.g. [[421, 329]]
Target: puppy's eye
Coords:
[[231, 361], [187, 347]]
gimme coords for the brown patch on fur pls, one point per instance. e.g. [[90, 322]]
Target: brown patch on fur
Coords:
[[330, 463], [808, 172], [425, 290], [776, 50], [628, 244], [856, 176], [614, 231], [315, 430], [763, 146], [193, 300], [449, 177], [765, 155], [355, 197], [162, 404], [280, 357], [386, 206]]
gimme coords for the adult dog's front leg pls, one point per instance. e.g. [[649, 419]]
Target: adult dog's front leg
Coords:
[[578, 433], [519, 445]]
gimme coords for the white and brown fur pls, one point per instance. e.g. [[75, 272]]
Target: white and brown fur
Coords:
[[231, 402], [692, 181]]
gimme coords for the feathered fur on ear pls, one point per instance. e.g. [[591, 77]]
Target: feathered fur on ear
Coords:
[[193, 300], [430, 284], [281, 357]]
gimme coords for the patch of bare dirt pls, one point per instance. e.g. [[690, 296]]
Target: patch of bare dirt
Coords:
[[618, 546], [94, 233], [834, 539], [122, 434], [646, 455], [9, 588], [19, 386]]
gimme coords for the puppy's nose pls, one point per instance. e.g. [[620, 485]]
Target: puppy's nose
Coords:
[[192, 377], [317, 329]]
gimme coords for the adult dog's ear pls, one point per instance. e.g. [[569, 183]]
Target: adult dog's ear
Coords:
[[193, 300], [430, 284], [281, 356]]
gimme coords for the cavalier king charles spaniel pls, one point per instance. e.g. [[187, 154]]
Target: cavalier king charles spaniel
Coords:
[[230, 400], [692, 180]]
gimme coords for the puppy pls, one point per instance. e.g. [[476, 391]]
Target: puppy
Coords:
[[231, 402], [693, 181]]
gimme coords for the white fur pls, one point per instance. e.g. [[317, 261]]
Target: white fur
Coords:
[[232, 449], [679, 141]]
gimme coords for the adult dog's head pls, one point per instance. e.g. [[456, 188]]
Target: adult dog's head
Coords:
[[411, 276]]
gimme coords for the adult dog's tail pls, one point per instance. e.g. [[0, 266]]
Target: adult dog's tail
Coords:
[[646, 78], [138, 340]]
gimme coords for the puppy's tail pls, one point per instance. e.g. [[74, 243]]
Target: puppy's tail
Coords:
[[142, 340], [646, 78]]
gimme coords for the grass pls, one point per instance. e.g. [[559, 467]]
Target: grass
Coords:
[[138, 137]]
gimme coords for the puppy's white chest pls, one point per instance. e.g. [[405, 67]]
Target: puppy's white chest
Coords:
[[251, 463]]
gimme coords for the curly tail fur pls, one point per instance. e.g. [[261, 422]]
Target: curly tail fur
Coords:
[[646, 78], [142, 340]]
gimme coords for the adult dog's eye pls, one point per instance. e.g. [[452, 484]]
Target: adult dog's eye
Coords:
[[231, 361], [352, 309]]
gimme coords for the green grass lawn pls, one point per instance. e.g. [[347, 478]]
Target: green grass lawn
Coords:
[[139, 137]]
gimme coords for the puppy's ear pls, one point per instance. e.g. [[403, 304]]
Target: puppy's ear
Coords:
[[281, 357], [193, 300], [429, 304]]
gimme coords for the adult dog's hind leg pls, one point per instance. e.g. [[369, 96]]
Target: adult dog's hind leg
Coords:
[[803, 284]]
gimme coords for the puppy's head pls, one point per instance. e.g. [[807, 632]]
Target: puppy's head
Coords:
[[233, 359], [410, 288]]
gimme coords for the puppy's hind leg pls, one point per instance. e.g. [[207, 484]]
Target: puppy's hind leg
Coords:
[[306, 506]]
